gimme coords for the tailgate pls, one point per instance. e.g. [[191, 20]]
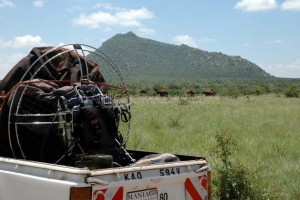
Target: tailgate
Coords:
[[168, 181]]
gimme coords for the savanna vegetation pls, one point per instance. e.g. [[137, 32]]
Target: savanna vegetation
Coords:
[[232, 87], [251, 142]]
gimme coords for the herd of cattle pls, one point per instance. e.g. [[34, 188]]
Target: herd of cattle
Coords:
[[165, 92]]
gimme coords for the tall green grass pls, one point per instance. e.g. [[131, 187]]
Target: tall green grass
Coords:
[[266, 128]]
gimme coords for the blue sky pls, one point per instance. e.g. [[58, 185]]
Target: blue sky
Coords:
[[266, 32]]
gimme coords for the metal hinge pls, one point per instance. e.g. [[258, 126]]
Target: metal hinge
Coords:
[[202, 169], [96, 181]]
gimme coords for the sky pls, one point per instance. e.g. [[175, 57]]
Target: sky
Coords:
[[266, 32]]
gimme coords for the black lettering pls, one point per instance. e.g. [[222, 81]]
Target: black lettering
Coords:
[[129, 196], [152, 193], [139, 175], [126, 177], [144, 194], [132, 176], [163, 196], [168, 172], [161, 172], [173, 171]]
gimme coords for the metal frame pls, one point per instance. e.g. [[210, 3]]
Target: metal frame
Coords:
[[106, 66]]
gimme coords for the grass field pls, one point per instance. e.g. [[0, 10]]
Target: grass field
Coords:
[[266, 128]]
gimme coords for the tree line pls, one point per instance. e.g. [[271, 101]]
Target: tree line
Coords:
[[233, 88]]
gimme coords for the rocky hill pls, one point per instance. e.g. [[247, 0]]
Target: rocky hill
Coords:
[[153, 60]]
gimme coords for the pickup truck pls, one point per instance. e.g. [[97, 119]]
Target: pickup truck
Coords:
[[187, 179], [61, 135]]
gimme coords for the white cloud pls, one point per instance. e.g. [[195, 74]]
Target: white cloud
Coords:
[[94, 20], [8, 61], [21, 46], [185, 39], [123, 18], [255, 5], [23, 42], [275, 42], [291, 5], [290, 70], [6, 3], [132, 17], [38, 3], [106, 6]]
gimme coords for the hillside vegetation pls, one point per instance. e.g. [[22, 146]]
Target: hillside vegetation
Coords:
[[142, 59]]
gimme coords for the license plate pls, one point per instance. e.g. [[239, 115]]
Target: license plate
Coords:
[[149, 194]]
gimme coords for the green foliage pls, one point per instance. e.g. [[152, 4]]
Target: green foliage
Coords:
[[237, 182], [292, 91], [232, 91], [224, 148], [233, 87], [233, 180], [256, 90], [142, 59]]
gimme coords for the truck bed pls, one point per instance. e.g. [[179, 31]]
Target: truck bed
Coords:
[[188, 178]]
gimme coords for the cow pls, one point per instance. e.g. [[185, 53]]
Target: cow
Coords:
[[162, 92], [143, 92], [208, 92], [190, 92]]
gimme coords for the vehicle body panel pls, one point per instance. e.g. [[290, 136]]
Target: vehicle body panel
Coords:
[[30, 180]]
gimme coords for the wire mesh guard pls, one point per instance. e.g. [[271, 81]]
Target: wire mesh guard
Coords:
[[71, 100]]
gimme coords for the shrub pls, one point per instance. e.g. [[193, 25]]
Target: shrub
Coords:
[[257, 90], [232, 180], [292, 91], [230, 91]]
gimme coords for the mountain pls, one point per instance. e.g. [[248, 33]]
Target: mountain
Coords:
[[148, 59]]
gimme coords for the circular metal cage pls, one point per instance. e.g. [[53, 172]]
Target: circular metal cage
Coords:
[[45, 105]]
